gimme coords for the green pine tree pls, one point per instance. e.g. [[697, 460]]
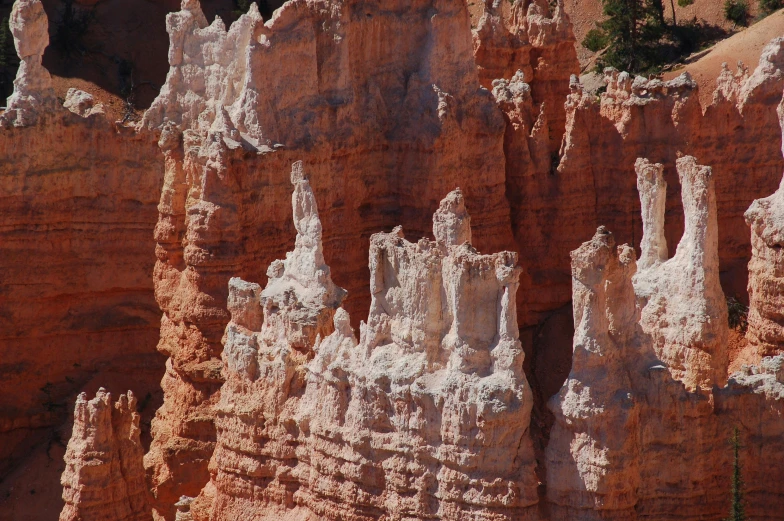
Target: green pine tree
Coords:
[[738, 505], [633, 29]]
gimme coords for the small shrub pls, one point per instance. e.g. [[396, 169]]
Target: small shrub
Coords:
[[685, 3], [737, 314], [768, 6], [595, 40], [241, 7], [737, 12], [737, 487]]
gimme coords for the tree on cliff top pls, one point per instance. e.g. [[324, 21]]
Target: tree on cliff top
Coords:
[[632, 30], [738, 505]]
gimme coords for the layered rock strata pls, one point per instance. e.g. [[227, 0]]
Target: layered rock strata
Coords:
[[636, 117], [536, 40], [78, 208], [386, 111], [104, 477], [643, 419], [766, 287], [426, 415], [384, 107]]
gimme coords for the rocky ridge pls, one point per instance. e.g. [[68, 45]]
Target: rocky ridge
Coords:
[[104, 477], [219, 126], [649, 336], [426, 415]]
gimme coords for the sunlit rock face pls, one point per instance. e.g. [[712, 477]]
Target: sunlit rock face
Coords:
[[589, 184], [426, 414], [104, 477], [643, 420], [766, 269], [382, 104]]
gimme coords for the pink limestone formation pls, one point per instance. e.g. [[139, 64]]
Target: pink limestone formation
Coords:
[[104, 477]]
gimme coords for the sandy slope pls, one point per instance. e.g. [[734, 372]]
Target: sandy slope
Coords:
[[745, 46], [585, 13]]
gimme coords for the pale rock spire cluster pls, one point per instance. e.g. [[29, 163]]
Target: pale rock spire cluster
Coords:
[[649, 334], [684, 310], [426, 412], [438, 365]]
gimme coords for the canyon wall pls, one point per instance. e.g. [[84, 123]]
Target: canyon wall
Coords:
[[643, 420], [381, 151], [390, 106], [426, 415], [634, 118], [538, 43], [383, 105], [78, 208]]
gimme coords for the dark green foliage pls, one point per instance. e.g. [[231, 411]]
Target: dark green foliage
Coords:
[[768, 6], [71, 28], [737, 12], [595, 40], [685, 3], [9, 61], [633, 28], [638, 39], [737, 315], [738, 504], [241, 7]]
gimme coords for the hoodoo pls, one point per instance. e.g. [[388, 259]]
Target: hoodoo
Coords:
[[235, 257], [104, 477], [425, 415]]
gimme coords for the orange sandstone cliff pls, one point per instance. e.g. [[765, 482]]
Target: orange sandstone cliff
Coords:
[[78, 208], [279, 403]]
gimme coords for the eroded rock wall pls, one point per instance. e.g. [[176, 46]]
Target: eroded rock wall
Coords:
[[104, 476], [385, 110], [765, 321], [643, 420], [635, 117], [425, 415], [531, 37], [79, 199]]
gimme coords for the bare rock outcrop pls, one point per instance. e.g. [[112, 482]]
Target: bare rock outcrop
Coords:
[[642, 421], [592, 456], [534, 39], [684, 310], [384, 123], [104, 476], [766, 287], [33, 95], [425, 415], [605, 134]]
